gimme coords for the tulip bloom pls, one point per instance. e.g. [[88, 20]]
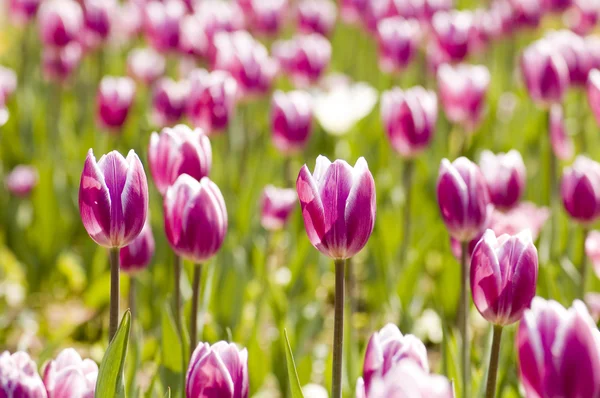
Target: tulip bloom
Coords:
[[398, 41], [98, 16], [113, 198], [21, 180], [316, 16], [19, 376], [145, 65], [137, 255], [267, 16], [545, 73], [573, 49], [580, 190], [23, 11], [304, 58], [505, 175], [277, 205], [291, 120], [559, 351], [58, 63], [409, 118], [162, 21], [70, 376], [220, 370], [169, 98], [452, 31], [562, 144], [114, 99], [176, 151], [60, 22]]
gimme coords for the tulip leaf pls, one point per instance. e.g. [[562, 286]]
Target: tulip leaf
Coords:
[[110, 375], [291, 367]]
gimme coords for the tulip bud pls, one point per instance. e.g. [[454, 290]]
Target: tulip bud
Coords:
[[398, 41], [169, 98], [316, 16], [176, 151], [19, 376], [559, 351], [452, 31], [276, 207], [409, 118], [291, 120], [60, 22], [97, 16], [304, 58], [21, 180], [463, 198], [195, 218], [70, 376], [145, 65], [162, 20], [266, 16], [137, 255], [462, 92], [338, 206], [592, 250], [113, 198], [114, 99], [580, 190], [220, 370], [562, 144], [58, 63], [505, 175], [545, 73], [23, 11], [211, 101]]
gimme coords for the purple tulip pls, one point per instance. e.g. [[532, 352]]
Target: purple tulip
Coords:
[[267, 16], [19, 376], [195, 218], [527, 13], [559, 351], [316, 16], [462, 92], [463, 198], [137, 255], [60, 22], [503, 276], [21, 180], [217, 371], [338, 206], [161, 24], [58, 63], [23, 11], [409, 118], [583, 16], [573, 49], [176, 151], [277, 205], [114, 99], [304, 57], [505, 175], [545, 73], [169, 98], [98, 16], [291, 120], [452, 31], [69, 376], [580, 190], [145, 65], [592, 250], [211, 101], [398, 41], [562, 144], [113, 198]]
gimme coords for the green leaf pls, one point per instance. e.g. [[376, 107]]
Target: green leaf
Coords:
[[291, 366], [110, 374]]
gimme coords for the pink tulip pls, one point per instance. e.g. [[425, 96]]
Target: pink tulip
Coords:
[[98, 18], [162, 21], [374, 11], [113, 198], [19, 377], [452, 31], [435, 57], [114, 99], [58, 63], [580, 190], [267, 16], [583, 16], [291, 120], [338, 206], [562, 144], [527, 13], [136, 256], [545, 73], [128, 22], [145, 65], [69, 376], [277, 205], [304, 58], [398, 41], [195, 218], [316, 16], [592, 250], [169, 98], [574, 51], [23, 11], [60, 22], [21, 180], [505, 175]]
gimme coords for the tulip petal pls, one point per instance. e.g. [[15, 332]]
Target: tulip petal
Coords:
[[95, 202], [312, 207], [360, 208], [134, 199], [175, 202]]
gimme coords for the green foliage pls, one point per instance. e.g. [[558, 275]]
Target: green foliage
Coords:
[[295, 388], [110, 374]]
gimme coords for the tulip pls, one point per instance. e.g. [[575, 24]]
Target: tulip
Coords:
[[23, 11], [19, 376], [434, 56], [398, 41], [277, 205], [558, 351], [291, 120], [137, 255], [573, 50], [580, 190], [452, 31], [211, 101], [145, 65], [526, 13], [114, 99], [98, 16], [316, 16], [545, 73], [304, 58], [562, 144], [21, 180], [176, 151], [59, 63], [60, 22], [69, 376], [462, 92], [128, 22], [266, 16], [169, 98], [162, 21], [428, 8], [583, 16], [220, 370], [505, 175]]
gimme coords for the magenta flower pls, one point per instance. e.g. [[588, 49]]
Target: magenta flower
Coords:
[[338, 206], [580, 190], [58, 63], [267, 16], [291, 120], [452, 30], [218, 371], [463, 198], [398, 40], [562, 144], [503, 276], [409, 119], [316, 16], [505, 175], [277, 205], [23, 11], [137, 255], [195, 218], [169, 98], [176, 151], [69, 376], [583, 16], [304, 57], [559, 351], [162, 24], [526, 13], [114, 99], [573, 49], [60, 22], [113, 198], [211, 101], [592, 250], [462, 92], [21, 180], [145, 65], [19, 376], [545, 73], [98, 17]]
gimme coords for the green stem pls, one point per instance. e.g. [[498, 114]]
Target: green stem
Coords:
[[350, 304], [490, 391], [338, 330], [407, 177], [464, 315], [177, 294], [114, 293], [194, 314], [584, 263]]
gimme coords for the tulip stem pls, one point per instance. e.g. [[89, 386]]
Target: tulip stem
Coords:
[[584, 263], [338, 330], [407, 177], [490, 391], [114, 293], [177, 304], [464, 315], [194, 314]]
